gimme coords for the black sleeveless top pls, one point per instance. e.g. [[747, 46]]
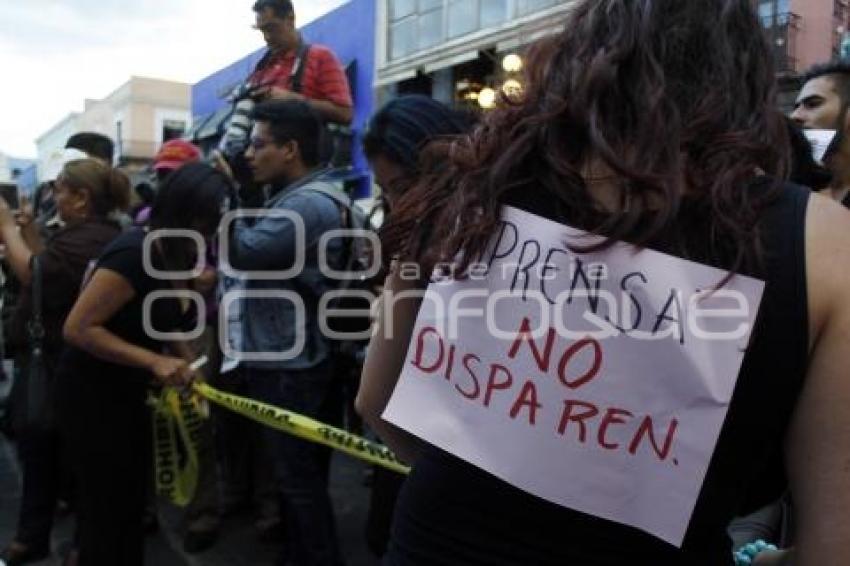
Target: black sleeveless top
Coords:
[[450, 512]]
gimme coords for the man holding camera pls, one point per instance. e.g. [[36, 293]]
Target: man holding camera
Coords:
[[321, 83], [290, 69], [286, 359]]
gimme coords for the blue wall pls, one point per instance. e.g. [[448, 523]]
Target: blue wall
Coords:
[[27, 179], [206, 94], [349, 31]]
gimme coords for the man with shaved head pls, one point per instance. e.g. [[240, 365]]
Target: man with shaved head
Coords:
[[822, 104]]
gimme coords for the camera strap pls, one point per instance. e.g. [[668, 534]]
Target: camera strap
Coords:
[[296, 75], [296, 78]]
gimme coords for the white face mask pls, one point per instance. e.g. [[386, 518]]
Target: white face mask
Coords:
[[820, 140]]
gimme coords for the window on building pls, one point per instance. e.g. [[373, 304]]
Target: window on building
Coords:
[[773, 12], [403, 38], [529, 6], [172, 129], [840, 39], [492, 12], [781, 26], [463, 17], [430, 28], [401, 8], [414, 25]]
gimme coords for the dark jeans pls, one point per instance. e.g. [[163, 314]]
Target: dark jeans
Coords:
[[302, 467], [245, 454]]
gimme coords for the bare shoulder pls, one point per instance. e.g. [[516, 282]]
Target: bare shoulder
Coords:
[[818, 438], [827, 260]]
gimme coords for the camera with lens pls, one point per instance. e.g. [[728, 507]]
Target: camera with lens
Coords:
[[237, 135]]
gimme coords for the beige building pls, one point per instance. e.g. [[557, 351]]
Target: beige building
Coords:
[[139, 116], [53, 139]]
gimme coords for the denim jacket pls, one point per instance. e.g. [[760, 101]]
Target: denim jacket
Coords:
[[272, 325]]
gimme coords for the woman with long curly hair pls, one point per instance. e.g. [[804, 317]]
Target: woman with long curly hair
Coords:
[[651, 123]]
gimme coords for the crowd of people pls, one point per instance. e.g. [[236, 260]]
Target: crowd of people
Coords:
[[648, 124]]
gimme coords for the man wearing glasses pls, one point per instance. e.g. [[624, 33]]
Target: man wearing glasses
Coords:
[[285, 358], [291, 69]]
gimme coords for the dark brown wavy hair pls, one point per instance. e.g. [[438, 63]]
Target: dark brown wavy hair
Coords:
[[674, 98]]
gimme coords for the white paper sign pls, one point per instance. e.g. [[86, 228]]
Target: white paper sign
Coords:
[[596, 381]]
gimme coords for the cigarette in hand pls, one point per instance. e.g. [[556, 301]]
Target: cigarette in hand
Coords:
[[199, 363]]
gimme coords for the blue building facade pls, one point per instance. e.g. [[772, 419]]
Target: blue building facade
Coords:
[[25, 174], [349, 31]]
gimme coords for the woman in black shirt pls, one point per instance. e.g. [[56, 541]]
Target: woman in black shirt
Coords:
[[395, 140], [652, 123], [117, 354]]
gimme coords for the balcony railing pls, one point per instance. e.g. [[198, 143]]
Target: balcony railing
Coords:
[[781, 30]]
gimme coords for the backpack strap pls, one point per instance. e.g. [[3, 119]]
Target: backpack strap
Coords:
[[345, 204], [339, 197], [264, 61], [342, 201]]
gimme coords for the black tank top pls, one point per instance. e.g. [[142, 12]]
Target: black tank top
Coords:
[[450, 512]]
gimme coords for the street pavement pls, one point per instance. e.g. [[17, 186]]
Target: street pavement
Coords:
[[238, 544]]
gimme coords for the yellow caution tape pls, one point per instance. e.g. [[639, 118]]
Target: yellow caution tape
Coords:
[[176, 426], [304, 427]]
